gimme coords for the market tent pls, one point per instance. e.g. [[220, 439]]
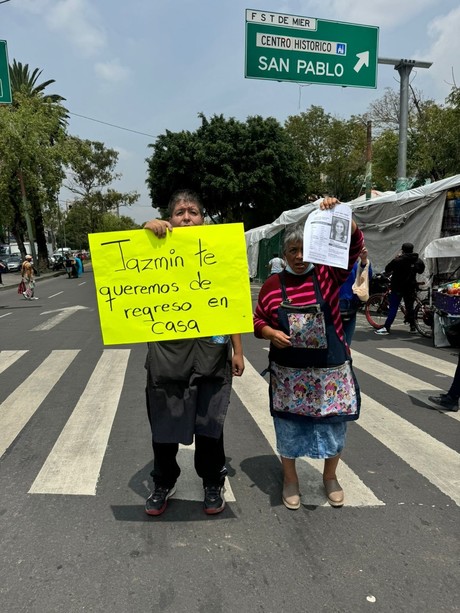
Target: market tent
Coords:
[[442, 258], [258, 244], [387, 221], [414, 216]]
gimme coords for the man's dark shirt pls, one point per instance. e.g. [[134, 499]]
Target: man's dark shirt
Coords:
[[403, 270]]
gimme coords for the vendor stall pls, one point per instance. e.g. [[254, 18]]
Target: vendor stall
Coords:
[[442, 257]]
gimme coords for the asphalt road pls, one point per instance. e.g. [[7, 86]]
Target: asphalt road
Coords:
[[74, 473]]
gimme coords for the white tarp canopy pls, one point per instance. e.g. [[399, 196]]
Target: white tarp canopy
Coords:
[[387, 221], [447, 249]]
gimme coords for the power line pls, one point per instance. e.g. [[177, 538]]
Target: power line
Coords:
[[3, 1], [112, 125]]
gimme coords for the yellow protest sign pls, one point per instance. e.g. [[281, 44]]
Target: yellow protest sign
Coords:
[[192, 283]]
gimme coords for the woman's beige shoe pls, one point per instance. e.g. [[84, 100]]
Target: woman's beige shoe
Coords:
[[334, 492], [291, 496]]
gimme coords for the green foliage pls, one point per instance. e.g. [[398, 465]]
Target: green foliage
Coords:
[[31, 137], [91, 168], [385, 160], [434, 146], [32, 130], [78, 221], [25, 83], [245, 171], [334, 151]]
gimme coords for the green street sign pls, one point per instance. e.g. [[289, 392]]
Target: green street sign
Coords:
[[282, 47], [5, 87]]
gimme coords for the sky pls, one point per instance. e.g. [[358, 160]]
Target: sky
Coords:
[[148, 66]]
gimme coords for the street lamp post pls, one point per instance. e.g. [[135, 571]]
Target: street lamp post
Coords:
[[404, 68]]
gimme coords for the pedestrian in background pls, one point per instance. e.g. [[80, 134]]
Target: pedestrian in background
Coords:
[[188, 391], [403, 269], [313, 390], [449, 401], [28, 277], [349, 300], [2, 267], [78, 265], [276, 264]]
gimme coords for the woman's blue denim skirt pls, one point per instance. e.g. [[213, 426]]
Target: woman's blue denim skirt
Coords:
[[297, 438]]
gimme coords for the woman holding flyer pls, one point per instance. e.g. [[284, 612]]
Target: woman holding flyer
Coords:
[[313, 390]]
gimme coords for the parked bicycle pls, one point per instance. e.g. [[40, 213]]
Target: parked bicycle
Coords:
[[377, 307]]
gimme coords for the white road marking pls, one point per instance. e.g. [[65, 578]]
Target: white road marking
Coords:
[[57, 319], [397, 379], [21, 405], [54, 295], [74, 463], [6, 314], [82, 283], [427, 456], [252, 390], [7, 358], [439, 366]]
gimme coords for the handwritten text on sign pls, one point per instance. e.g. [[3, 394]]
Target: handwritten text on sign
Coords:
[[192, 283]]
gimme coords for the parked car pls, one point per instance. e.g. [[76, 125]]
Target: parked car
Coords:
[[58, 255], [14, 263]]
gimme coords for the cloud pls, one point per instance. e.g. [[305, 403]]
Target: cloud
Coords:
[[111, 71], [382, 13], [77, 20], [444, 51], [123, 154]]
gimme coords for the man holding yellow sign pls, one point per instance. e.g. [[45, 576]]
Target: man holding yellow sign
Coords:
[[188, 386]]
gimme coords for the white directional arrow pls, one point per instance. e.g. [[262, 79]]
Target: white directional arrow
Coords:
[[57, 319], [363, 60]]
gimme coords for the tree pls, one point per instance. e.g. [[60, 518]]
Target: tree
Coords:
[[91, 168], [38, 171], [30, 167], [309, 130], [244, 171], [24, 82], [385, 160], [334, 151], [76, 225], [434, 145]]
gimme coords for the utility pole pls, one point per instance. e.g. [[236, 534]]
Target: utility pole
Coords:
[[404, 68], [369, 161]]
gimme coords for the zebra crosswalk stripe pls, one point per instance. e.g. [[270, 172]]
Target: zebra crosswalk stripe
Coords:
[[21, 404], [397, 379], [8, 358], [74, 464], [440, 463], [252, 390], [422, 359]]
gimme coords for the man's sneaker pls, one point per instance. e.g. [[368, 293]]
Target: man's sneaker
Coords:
[[214, 501], [413, 330], [157, 502], [445, 401], [381, 331]]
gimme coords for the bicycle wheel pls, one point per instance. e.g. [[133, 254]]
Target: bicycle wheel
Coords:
[[376, 310], [424, 319]]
